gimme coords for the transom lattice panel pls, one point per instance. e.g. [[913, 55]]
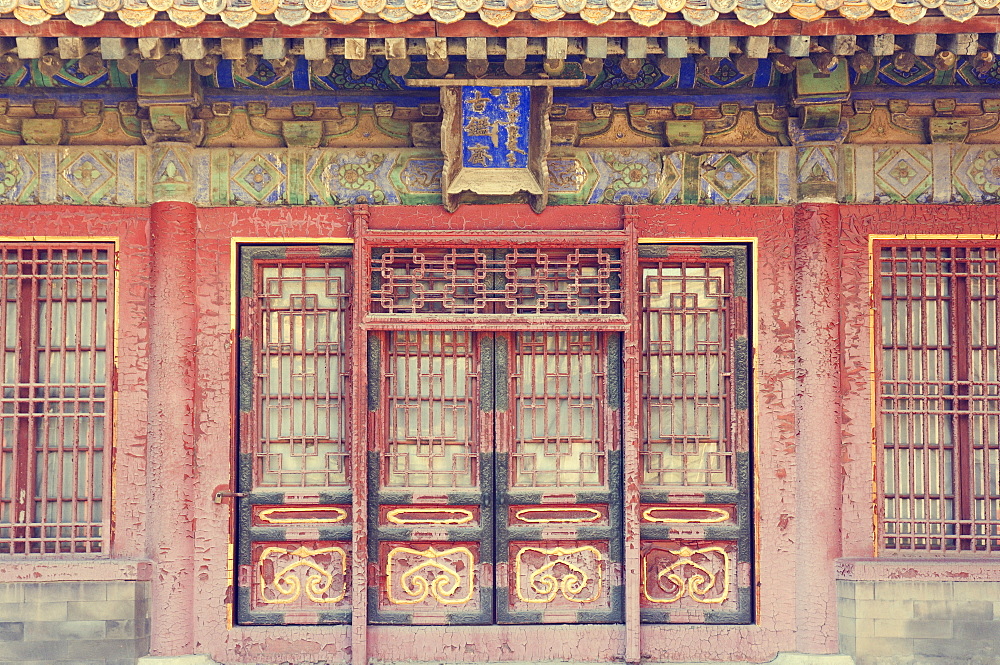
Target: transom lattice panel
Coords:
[[460, 280], [940, 398], [56, 328], [302, 361], [686, 374]]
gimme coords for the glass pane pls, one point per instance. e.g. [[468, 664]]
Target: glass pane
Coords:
[[687, 365], [558, 379], [302, 358], [432, 410], [55, 325]]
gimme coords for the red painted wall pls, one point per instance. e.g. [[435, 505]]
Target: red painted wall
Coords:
[[813, 419]]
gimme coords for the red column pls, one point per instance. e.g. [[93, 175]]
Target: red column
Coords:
[[170, 480], [818, 424]]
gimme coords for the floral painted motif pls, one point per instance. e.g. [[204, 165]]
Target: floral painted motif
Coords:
[[625, 176], [976, 174], [986, 172], [359, 176]]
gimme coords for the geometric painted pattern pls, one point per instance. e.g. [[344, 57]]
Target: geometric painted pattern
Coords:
[[902, 175], [817, 165], [257, 178], [727, 178], [87, 174], [82, 176], [128, 176]]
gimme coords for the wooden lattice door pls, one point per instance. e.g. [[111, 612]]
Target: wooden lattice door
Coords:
[[498, 456], [559, 477], [496, 464], [294, 498], [494, 433]]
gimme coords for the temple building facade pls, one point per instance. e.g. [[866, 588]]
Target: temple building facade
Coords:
[[499, 331]]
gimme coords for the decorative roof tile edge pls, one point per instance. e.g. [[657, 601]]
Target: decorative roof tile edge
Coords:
[[239, 14]]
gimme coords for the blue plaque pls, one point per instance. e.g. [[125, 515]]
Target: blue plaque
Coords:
[[495, 126]]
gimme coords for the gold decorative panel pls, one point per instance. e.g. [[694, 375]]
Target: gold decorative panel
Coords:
[[697, 572], [443, 516], [300, 575], [671, 514], [559, 515], [430, 576], [282, 515], [559, 574]]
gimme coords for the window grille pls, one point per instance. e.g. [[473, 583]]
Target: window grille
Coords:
[[427, 280], [432, 410], [939, 399], [56, 328], [687, 367], [557, 380], [302, 366]]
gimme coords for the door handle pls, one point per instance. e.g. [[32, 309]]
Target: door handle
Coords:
[[227, 494]]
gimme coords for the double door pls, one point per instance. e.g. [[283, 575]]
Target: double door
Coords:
[[494, 477]]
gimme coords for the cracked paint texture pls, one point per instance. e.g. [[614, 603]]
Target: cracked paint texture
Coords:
[[794, 364]]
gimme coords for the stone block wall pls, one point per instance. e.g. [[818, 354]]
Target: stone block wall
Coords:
[[84, 623], [920, 618]]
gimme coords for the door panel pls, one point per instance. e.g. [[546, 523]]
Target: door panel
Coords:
[[695, 524], [294, 502], [432, 481], [558, 478], [549, 497]]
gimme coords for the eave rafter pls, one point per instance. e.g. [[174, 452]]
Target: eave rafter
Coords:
[[92, 54], [324, 16]]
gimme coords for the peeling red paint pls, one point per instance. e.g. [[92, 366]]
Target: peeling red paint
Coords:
[[174, 430]]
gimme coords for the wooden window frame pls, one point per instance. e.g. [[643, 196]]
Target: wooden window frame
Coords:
[[33, 394], [950, 385]]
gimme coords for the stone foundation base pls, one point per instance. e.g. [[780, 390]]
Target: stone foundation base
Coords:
[[920, 613], [781, 659], [83, 623]]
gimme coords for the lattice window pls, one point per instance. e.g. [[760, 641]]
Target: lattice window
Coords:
[[302, 369], [687, 373], [56, 327], [431, 440], [939, 399], [557, 389], [511, 281]]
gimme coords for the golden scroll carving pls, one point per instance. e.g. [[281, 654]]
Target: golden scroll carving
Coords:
[[702, 574], [284, 573], [575, 573], [416, 575]]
